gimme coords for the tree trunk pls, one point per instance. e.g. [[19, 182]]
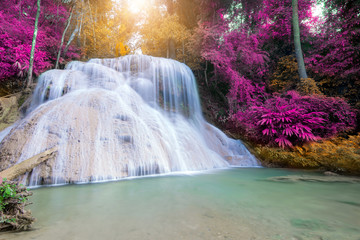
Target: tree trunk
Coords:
[[183, 51], [31, 62], [171, 51], [62, 39], [170, 6], [297, 42], [72, 37], [93, 24], [205, 73], [20, 10]]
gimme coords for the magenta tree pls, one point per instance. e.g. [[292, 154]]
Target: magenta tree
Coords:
[[242, 54], [17, 20], [335, 56]]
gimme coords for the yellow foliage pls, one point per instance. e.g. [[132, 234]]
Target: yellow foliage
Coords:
[[337, 86], [158, 29], [283, 158], [286, 74], [104, 28], [121, 49], [307, 86], [338, 154]]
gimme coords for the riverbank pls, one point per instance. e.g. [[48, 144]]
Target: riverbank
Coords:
[[340, 154]]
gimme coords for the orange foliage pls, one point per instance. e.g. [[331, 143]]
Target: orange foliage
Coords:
[[286, 75], [105, 28], [158, 29], [121, 50], [307, 86], [338, 154]]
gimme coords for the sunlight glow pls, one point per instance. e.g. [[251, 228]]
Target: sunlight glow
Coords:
[[317, 10], [136, 6]]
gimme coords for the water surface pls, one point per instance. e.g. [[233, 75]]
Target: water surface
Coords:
[[235, 203]]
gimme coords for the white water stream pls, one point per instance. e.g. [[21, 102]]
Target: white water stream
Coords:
[[115, 118]]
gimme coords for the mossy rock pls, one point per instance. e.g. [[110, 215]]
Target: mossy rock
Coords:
[[8, 111], [339, 155], [12, 107]]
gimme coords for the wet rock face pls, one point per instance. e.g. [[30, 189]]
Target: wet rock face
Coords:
[[74, 127], [12, 146], [108, 123], [13, 107], [8, 111]]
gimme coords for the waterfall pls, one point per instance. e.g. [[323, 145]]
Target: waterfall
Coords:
[[115, 118]]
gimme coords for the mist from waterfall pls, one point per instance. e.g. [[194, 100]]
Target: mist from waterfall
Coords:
[[115, 118]]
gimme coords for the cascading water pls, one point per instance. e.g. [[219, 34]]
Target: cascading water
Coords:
[[114, 118]]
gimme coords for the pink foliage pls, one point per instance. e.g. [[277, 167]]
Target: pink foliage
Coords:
[[337, 51], [236, 57], [293, 119], [275, 19], [243, 57], [17, 20], [274, 28]]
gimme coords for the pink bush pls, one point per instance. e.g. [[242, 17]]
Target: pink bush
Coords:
[[292, 119]]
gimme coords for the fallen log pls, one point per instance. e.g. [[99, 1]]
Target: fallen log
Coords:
[[27, 165]]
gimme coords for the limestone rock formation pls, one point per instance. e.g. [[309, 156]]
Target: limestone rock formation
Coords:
[[114, 118]]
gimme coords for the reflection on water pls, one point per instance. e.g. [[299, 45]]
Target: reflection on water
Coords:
[[223, 204]]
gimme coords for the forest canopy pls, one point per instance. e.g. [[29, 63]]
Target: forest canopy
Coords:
[[243, 51]]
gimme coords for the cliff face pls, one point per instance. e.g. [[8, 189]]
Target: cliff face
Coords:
[[12, 107], [9, 110]]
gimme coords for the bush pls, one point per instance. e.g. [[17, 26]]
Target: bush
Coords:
[[286, 74], [292, 119], [338, 155], [308, 86], [13, 199]]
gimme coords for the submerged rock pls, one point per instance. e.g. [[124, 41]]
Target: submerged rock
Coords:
[[309, 178], [310, 224], [328, 173]]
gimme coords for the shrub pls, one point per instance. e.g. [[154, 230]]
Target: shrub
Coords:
[[286, 74], [338, 114], [13, 199], [291, 119], [307, 86], [338, 155]]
